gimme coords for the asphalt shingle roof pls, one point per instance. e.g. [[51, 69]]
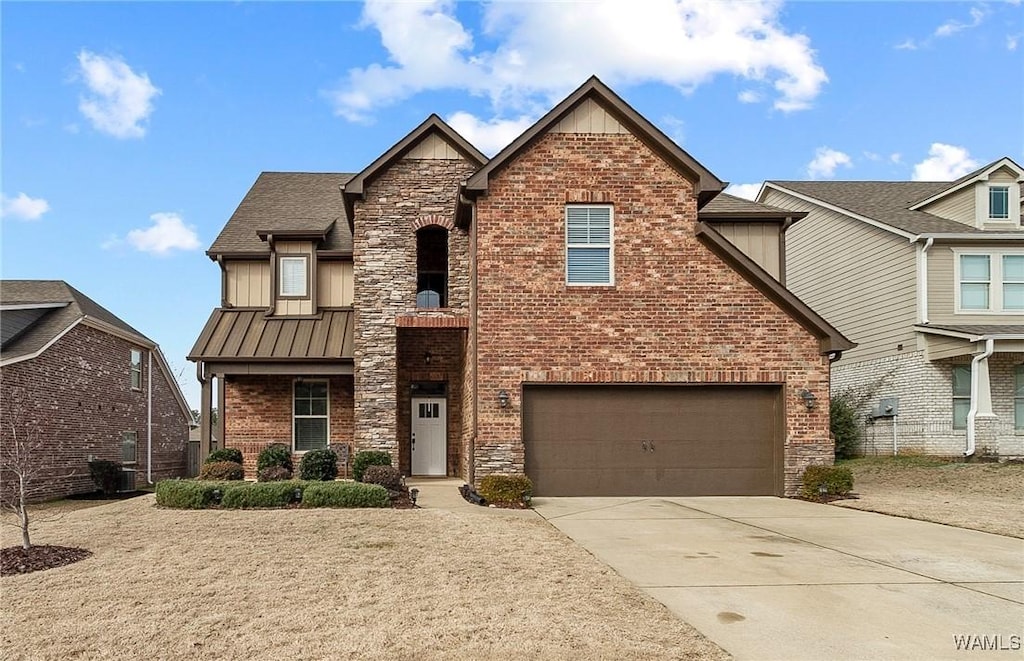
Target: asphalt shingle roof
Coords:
[[48, 325], [725, 205], [885, 201], [288, 201]]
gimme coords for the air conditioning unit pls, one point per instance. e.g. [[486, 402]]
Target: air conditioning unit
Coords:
[[126, 482]]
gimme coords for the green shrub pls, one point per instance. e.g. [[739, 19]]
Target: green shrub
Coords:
[[260, 494], [188, 494], [837, 480], [222, 470], [844, 425], [386, 476], [274, 474], [506, 489], [368, 458], [344, 494], [320, 465], [105, 475], [225, 454], [277, 454]]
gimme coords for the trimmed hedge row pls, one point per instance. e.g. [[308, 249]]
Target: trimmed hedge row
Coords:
[[836, 480], [506, 489], [193, 494]]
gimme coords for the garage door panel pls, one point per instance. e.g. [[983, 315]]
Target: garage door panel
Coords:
[[653, 440]]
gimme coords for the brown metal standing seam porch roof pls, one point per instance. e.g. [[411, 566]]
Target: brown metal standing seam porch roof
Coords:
[[248, 335]]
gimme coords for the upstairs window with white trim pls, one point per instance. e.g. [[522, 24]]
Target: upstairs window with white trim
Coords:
[[309, 415], [999, 202], [292, 277], [961, 395], [589, 257], [990, 283], [136, 369]]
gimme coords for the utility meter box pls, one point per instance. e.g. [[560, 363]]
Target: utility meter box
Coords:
[[888, 407]]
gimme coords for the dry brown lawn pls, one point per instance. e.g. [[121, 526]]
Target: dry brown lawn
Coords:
[[328, 584], [980, 496]]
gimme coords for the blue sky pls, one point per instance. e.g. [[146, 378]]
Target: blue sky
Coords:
[[130, 131]]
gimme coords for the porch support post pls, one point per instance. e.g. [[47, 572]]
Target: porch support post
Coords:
[[220, 413], [206, 397]]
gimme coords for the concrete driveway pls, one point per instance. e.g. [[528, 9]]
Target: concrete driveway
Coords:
[[770, 578]]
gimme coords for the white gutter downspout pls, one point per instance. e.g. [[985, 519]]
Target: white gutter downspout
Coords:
[[149, 423], [990, 346], [922, 279]]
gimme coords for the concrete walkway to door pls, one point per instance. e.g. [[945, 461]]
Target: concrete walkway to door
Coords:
[[771, 578]]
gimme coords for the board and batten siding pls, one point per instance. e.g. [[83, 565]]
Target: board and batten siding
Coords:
[[434, 148], [589, 117], [334, 284], [959, 206], [247, 283], [942, 284], [860, 278], [295, 306], [758, 241]]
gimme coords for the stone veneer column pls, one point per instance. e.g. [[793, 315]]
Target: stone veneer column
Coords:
[[384, 255]]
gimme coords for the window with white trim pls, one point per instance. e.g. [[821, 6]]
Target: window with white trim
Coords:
[[129, 447], [136, 369], [990, 282], [961, 395], [292, 276], [309, 415], [1018, 397], [999, 202], [589, 258]]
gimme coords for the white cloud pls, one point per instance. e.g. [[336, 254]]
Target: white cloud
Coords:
[[896, 157], [168, 232], [489, 136], [1012, 40], [119, 99], [907, 44], [747, 191], [543, 50], [944, 163], [749, 96], [23, 207], [825, 163], [952, 26]]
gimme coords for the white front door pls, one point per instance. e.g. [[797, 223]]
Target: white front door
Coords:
[[429, 436]]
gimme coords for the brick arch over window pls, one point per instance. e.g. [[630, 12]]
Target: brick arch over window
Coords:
[[436, 220]]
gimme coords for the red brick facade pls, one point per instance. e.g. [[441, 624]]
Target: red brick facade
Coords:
[[677, 313], [78, 398], [258, 413]]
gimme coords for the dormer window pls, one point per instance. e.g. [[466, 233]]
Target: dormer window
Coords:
[[999, 202], [293, 277]]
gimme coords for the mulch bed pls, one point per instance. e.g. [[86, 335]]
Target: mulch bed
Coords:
[[99, 495], [16, 560]]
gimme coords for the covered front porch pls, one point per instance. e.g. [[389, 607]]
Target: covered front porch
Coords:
[[276, 380], [987, 368]]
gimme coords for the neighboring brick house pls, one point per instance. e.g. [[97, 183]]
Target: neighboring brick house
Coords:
[[86, 384], [928, 277], [571, 308]]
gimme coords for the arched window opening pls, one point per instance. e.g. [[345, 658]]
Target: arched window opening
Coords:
[[432, 267]]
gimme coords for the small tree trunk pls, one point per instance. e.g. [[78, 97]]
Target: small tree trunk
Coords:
[[23, 512]]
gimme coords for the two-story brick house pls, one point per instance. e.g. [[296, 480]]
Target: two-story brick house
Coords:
[[928, 278], [80, 382], [571, 308]]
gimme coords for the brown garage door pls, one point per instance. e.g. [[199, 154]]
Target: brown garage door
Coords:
[[653, 440]]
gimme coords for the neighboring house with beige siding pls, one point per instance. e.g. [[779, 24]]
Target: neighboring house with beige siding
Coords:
[[575, 308], [928, 279]]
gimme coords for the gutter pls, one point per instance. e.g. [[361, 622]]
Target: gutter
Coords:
[[922, 280], [149, 423], [990, 346]]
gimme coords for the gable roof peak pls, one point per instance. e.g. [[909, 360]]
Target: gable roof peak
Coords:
[[971, 177], [708, 185]]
